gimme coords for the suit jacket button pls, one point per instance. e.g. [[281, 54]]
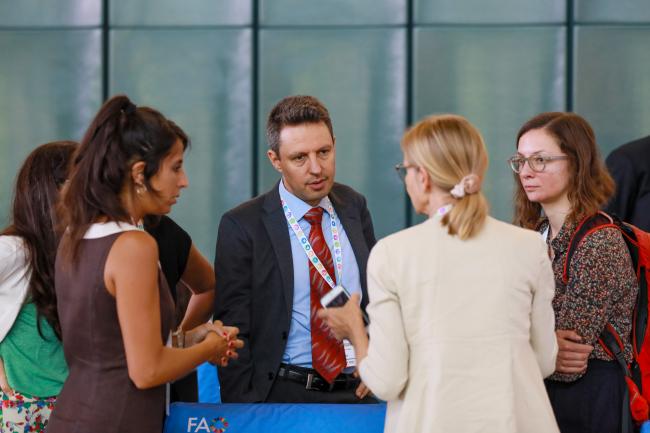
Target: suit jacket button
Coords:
[[271, 375], [284, 335]]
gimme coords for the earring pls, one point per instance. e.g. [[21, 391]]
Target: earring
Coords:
[[140, 189]]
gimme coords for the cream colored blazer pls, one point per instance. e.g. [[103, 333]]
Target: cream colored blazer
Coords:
[[461, 332]]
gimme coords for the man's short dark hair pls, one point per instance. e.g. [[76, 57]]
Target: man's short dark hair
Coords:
[[292, 111]]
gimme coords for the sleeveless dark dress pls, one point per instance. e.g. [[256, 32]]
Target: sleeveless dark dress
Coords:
[[98, 395]]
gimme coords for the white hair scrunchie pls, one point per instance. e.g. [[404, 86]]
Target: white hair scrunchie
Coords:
[[469, 184]]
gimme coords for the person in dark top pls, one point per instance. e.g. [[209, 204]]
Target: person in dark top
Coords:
[[186, 271], [267, 285], [629, 165], [174, 246]]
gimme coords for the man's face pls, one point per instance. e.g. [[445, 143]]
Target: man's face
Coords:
[[307, 161]]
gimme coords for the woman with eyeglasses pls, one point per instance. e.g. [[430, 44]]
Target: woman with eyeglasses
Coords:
[[461, 324], [560, 180]]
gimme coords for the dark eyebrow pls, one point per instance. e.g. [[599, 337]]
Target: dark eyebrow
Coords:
[[296, 155], [532, 154], [325, 147]]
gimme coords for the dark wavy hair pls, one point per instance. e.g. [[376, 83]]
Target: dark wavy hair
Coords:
[[590, 184], [33, 218], [120, 135]]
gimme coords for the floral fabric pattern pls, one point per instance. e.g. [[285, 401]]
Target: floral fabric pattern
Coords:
[[21, 413], [602, 288]]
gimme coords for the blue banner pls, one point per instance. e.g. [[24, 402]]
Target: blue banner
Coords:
[[208, 383], [273, 417]]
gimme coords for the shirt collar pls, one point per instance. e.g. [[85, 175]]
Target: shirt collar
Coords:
[[298, 207], [100, 230], [561, 242]]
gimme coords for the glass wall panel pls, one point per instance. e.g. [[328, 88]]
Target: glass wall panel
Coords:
[[332, 12], [47, 13], [202, 80], [49, 91], [612, 82], [489, 11], [621, 11], [359, 74], [497, 62], [180, 13], [495, 77]]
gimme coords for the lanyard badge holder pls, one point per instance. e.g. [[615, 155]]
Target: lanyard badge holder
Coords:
[[313, 259]]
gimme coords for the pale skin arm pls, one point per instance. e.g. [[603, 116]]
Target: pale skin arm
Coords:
[[346, 322], [4, 383], [131, 275], [199, 278], [572, 355]]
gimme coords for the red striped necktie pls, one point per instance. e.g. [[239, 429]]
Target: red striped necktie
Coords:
[[328, 356]]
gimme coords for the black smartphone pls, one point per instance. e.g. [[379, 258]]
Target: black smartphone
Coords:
[[337, 297]]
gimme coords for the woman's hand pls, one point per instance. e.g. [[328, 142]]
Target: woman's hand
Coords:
[[230, 334], [198, 334], [572, 355], [345, 321], [223, 337], [220, 348]]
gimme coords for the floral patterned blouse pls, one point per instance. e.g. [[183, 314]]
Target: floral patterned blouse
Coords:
[[602, 288]]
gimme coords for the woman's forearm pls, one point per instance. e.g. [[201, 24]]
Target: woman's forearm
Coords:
[[199, 310], [172, 363]]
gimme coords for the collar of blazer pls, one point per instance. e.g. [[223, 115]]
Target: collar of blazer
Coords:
[[276, 226]]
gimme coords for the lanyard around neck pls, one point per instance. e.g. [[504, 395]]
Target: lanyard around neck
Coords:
[[307, 248], [443, 210]]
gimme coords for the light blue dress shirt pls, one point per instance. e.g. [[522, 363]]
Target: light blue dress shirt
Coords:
[[298, 350]]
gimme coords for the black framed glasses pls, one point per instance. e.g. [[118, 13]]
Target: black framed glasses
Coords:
[[537, 163], [401, 169]]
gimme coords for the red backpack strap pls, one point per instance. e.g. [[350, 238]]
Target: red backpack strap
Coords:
[[611, 343], [638, 246], [633, 402], [588, 225]]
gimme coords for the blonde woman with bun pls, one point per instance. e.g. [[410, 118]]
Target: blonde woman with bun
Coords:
[[461, 325]]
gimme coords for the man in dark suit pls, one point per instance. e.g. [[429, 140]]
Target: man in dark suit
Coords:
[[629, 165], [273, 258]]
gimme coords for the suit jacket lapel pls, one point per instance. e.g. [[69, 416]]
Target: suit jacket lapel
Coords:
[[276, 227]]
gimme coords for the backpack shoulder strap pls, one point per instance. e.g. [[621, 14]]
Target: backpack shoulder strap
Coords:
[[613, 346], [588, 225], [634, 404]]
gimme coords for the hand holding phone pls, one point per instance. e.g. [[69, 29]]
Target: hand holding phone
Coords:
[[337, 297]]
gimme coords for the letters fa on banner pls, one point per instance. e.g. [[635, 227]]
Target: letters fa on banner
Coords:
[[215, 425]]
